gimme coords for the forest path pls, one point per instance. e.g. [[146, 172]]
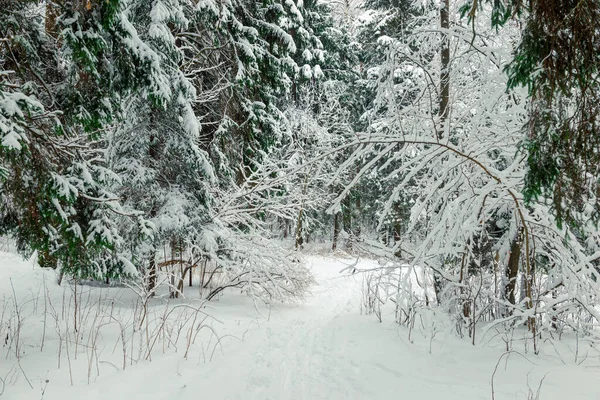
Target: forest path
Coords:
[[324, 349], [321, 348]]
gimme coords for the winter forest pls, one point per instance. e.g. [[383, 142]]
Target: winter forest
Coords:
[[299, 199]]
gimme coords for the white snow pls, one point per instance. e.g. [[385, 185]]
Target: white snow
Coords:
[[11, 140], [307, 55], [306, 71], [317, 72], [385, 40], [320, 349]]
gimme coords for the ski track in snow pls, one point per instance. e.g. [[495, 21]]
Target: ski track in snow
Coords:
[[319, 349], [303, 354], [298, 352]]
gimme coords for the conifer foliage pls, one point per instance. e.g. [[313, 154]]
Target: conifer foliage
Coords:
[[65, 67], [557, 61], [132, 126]]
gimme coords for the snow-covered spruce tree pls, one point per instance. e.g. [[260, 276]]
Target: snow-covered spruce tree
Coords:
[[251, 47], [306, 182], [156, 150], [250, 145], [312, 24], [59, 89], [557, 61], [499, 258], [222, 65]]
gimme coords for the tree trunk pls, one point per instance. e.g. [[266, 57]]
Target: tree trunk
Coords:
[[299, 239], [347, 220], [52, 13], [299, 230], [512, 270], [153, 268], [336, 230], [438, 287], [466, 307], [357, 214], [554, 320], [496, 312], [397, 236], [444, 99]]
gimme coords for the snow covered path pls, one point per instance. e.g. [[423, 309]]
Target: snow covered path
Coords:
[[311, 351], [324, 349], [320, 349], [306, 351]]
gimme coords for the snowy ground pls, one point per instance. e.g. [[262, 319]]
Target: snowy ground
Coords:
[[321, 349]]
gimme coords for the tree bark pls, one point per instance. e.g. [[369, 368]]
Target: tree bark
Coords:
[[299, 239], [397, 234], [347, 220], [512, 270], [444, 99], [438, 286], [357, 213], [153, 268], [336, 231], [52, 13]]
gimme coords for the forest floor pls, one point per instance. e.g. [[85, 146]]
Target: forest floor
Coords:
[[321, 348]]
